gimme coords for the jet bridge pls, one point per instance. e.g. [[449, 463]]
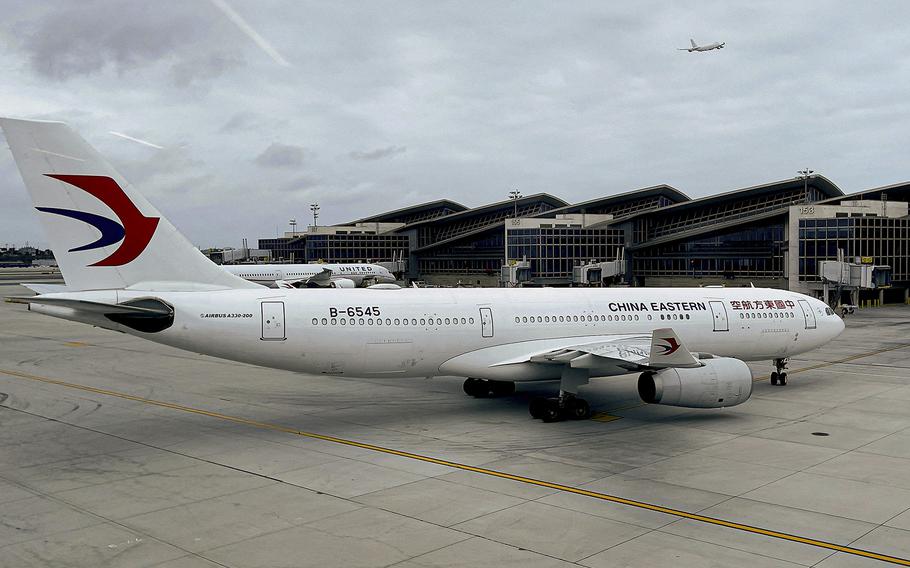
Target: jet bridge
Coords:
[[841, 276]]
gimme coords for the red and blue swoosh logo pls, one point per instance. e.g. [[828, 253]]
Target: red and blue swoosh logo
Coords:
[[134, 228], [671, 348]]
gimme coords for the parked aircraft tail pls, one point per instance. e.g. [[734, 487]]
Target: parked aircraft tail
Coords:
[[692, 41], [104, 234]]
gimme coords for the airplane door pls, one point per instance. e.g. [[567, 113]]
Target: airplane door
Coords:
[[719, 311], [486, 322], [808, 314], [273, 321]]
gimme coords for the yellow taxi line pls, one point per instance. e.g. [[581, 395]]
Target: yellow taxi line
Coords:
[[475, 469]]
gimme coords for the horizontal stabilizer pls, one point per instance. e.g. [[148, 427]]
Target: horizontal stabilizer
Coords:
[[91, 307], [45, 288]]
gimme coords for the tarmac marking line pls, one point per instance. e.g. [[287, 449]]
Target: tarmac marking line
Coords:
[[480, 470]]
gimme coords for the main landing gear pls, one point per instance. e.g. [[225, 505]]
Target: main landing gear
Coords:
[[779, 375], [567, 404], [483, 388]]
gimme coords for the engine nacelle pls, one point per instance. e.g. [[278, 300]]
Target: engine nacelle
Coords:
[[342, 283], [722, 381]]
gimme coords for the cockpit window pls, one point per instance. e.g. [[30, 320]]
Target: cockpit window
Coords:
[[829, 311]]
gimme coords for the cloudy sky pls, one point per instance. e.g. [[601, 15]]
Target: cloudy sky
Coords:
[[263, 107]]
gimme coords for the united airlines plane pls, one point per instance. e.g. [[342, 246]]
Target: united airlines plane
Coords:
[[128, 269], [344, 275]]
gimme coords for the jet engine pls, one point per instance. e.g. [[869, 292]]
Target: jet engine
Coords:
[[722, 381], [342, 283]]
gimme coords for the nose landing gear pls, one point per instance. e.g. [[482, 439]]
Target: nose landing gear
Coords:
[[779, 375]]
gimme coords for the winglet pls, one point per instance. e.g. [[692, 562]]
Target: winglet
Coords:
[[667, 350]]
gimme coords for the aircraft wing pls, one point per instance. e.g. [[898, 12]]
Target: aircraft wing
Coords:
[[614, 355], [321, 278]]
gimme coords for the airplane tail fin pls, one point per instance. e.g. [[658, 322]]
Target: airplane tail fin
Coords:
[[104, 234], [692, 41]]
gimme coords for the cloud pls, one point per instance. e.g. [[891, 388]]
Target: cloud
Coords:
[[88, 37], [204, 68], [379, 153], [279, 155], [242, 120]]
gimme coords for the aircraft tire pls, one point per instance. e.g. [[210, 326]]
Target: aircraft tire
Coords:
[[782, 379], [551, 411], [473, 387], [535, 407], [774, 378], [502, 388], [579, 409]]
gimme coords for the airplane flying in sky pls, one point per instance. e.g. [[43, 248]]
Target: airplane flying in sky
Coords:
[[128, 269], [313, 275], [696, 47]]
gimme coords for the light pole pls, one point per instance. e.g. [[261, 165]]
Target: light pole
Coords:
[[804, 175], [515, 195], [314, 207], [293, 224]]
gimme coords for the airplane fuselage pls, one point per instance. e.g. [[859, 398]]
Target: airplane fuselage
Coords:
[[427, 332]]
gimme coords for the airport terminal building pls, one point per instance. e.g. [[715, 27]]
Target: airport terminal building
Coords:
[[775, 234]]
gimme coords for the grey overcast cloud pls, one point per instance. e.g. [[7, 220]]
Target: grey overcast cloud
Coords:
[[263, 107]]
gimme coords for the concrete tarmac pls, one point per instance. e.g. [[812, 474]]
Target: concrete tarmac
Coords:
[[115, 451]]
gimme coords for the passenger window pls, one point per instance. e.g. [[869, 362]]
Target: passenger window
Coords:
[[524, 319], [575, 318], [388, 321], [589, 318], [370, 321], [447, 321], [471, 321], [517, 319], [378, 321], [414, 321], [463, 321], [344, 321], [352, 322], [334, 321], [324, 321], [636, 317], [397, 321], [423, 321], [315, 321]]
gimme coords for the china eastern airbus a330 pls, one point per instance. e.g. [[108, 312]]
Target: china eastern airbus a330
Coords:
[[128, 269]]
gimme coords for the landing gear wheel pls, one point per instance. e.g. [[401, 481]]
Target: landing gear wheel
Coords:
[[472, 387], [536, 406], [551, 412], [578, 409], [779, 376]]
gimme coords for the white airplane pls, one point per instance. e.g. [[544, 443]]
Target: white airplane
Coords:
[[313, 275], [130, 270], [696, 47]]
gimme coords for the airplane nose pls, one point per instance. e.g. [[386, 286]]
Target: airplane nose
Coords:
[[837, 326]]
